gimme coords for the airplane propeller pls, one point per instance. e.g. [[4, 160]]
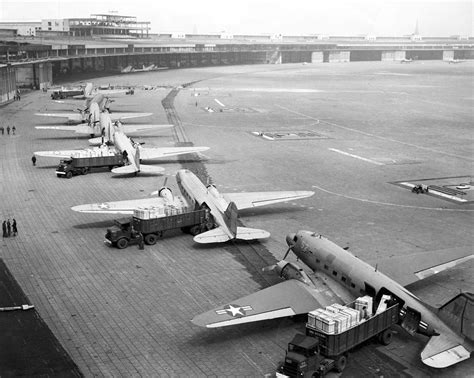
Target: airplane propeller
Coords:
[[271, 268]]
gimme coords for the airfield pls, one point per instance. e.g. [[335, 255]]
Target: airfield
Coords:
[[351, 132]]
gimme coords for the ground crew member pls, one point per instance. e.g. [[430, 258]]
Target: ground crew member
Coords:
[[9, 228], [13, 130], [8, 130], [14, 227], [2, 130], [33, 159], [4, 229]]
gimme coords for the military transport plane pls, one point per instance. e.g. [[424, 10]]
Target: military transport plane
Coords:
[[89, 114], [100, 124], [223, 207], [133, 152], [340, 277]]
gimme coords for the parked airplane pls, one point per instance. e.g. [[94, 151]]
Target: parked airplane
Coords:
[[340, 277], [104, 124], [223, 207], [144, 68], [90, 114], [454, 61], [134, 153]]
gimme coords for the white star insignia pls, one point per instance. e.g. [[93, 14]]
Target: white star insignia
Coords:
[[234, 310], [104, 206]]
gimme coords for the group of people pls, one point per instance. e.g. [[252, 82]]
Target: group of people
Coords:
[[9, 228], [13, 129]]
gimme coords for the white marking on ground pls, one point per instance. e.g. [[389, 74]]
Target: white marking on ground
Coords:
[[390, 204], [220, 103], [378, 136], [355, 156]]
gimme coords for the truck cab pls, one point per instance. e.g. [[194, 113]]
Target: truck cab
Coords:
[[65, 168], [121, 234], [302, 358]]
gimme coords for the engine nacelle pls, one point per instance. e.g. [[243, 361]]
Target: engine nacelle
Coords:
[[166, 193], [290, 271]]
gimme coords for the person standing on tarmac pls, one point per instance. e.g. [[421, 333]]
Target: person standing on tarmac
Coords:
[[2, 129], [33, 160], [14, 227], [8, 130], [4, 229], [13, 130], [9, 228]]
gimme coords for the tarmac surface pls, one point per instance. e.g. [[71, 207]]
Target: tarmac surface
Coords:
[[347, 131]]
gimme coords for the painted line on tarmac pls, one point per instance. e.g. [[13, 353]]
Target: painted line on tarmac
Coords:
[[463, 157], [390, 204], [356, 156], [220, 103]]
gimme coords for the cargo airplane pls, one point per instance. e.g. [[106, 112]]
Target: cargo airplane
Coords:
[[133, 152], [99, 123], [223, 207], [340, 277]]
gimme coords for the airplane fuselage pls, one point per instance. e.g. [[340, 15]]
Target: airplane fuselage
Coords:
[[359, 278], [196, 192]]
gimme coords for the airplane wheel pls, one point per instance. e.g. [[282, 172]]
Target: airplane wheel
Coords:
[[122, 243], [151, 239], [69, 174], [341, 363], [385, 337]]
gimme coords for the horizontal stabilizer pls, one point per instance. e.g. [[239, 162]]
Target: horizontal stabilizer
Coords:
[[287, 298], [71, 116], [143, 168], [441, 352], [218, 235]]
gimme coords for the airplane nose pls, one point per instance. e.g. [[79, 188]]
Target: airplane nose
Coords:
[[290, 240]]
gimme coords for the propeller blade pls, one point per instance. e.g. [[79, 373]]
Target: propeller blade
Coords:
[[286, 254]]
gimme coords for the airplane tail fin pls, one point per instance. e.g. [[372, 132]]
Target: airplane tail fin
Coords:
[[458, 313], [230, 218]]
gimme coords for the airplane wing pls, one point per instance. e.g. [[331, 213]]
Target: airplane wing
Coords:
[[254, 199], [119, 207], [441, 352], [287, 298], [160, 152], [132, 128], [217, 235], [57, 154], [406, 269], [71, 116], [79, 129], [132, 169], [119, 116]]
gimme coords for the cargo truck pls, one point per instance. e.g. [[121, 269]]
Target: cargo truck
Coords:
[[82, 165], [318, 352], [126, 231], [65, 93]]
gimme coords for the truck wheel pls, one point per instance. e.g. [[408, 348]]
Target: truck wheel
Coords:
[[195, 230], [150, 239], [84, 171], [341, 363], [68, 174], [186, 230], [122, 243], [385, 337]]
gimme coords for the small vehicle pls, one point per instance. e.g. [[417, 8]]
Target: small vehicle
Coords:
[[82, 165], [65, 93], [317, 352], [125, 231]]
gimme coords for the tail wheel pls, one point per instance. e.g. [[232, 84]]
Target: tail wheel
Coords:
[[341, 363], [151, 239], [122, 243], [386, 337]]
